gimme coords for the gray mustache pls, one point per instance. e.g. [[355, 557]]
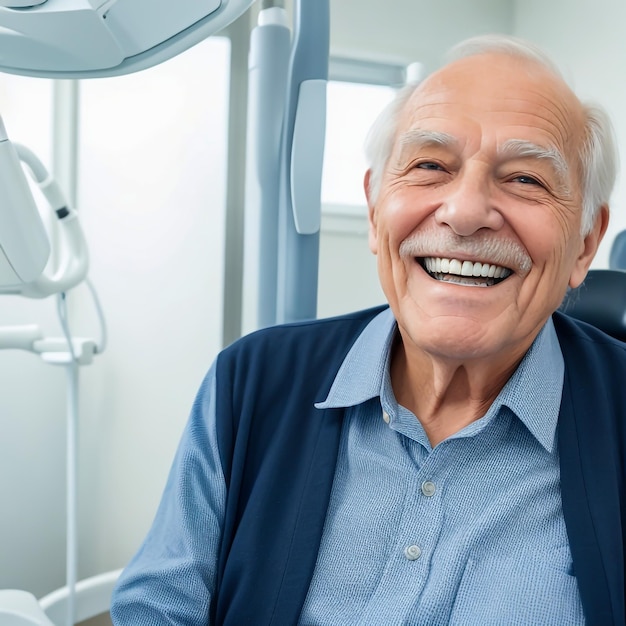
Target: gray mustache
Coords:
[[480, 247]]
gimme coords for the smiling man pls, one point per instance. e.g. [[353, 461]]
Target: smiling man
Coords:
[[454, 458], [485, 172]]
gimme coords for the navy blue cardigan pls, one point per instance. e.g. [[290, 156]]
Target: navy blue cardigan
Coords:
[[279, 454]]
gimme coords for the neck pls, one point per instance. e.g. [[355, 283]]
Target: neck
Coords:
[[447, 394]]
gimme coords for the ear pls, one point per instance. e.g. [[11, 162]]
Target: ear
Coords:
[[590, 246], [373, 232]]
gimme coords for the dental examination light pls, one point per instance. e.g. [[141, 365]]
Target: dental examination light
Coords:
[[92, 38]]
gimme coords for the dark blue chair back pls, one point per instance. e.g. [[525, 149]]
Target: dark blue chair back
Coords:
[[617, 256], [600, 301]]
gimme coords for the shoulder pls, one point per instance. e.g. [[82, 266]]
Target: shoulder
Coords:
[[267, 384], [595, 369], [576, 336], [320, 336], [290, 358]]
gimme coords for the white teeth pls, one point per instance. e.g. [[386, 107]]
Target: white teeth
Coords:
[[438, 265], [455, 267], [467, 269]]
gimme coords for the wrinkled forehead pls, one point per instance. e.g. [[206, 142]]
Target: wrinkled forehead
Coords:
[[516, 93]]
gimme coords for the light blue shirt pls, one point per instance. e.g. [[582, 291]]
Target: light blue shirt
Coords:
[[470, 532]]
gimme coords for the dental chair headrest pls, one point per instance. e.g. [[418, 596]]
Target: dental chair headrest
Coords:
[[600, 301], [617, 256]]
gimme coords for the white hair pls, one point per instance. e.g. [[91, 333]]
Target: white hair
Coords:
[[598, 154]]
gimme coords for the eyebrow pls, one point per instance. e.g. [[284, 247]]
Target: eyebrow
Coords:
[[422, 138], [417, 138], [519, 148]]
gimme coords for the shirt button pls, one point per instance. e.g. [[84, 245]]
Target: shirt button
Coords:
[[412, 552], [386, 417], [428, 488]]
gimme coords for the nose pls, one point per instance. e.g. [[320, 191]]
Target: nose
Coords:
[[467, 205]]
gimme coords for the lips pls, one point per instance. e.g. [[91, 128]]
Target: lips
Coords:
[[469, 273]]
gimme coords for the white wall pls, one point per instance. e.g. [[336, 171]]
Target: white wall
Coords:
[[409, 30], [152, 193], [586, 38]]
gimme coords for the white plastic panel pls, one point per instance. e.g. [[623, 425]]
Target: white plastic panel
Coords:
[[20, 4], [20, 608], [128, 20], [94, 38], [57, 36], [307, 156]]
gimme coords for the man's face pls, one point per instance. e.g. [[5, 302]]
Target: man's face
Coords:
[[477, 222]]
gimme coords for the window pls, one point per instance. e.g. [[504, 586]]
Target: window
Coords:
[[351, 110]]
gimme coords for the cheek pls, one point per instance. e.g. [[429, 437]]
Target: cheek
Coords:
[[402, 212], [551, 236]]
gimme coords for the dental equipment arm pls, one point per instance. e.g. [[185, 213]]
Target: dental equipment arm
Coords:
[[26, 266], [24, 247], [52, 350]]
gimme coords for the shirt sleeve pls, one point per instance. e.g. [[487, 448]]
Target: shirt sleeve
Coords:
[[171, 579]]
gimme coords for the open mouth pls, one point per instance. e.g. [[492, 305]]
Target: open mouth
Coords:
[[469, 273]]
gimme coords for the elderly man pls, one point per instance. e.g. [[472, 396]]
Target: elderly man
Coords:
[[454, 458]]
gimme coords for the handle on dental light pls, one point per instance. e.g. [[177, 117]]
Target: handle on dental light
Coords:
[[73, 258], [24, 245]]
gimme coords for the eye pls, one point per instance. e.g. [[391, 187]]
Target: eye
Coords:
[[526, 180], [429, 165]]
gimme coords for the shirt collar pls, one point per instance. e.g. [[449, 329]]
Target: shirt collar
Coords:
[[362, 372], [362, 375]]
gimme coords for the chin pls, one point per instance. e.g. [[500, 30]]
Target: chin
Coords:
[[458, 336]]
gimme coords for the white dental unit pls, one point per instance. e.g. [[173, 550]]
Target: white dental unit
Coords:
[[286, 121]]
